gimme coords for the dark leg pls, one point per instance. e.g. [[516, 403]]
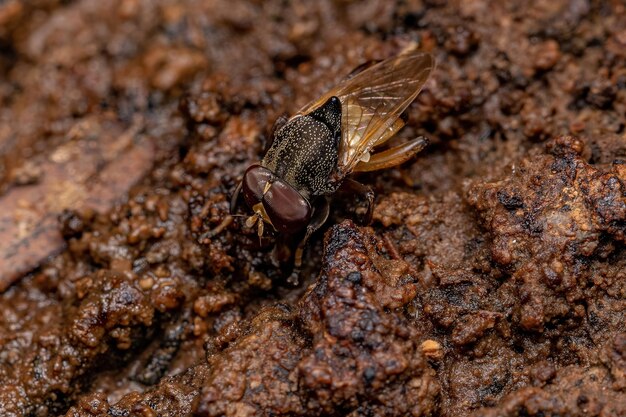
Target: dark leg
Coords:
[[234, 198], [320, 215], [351, 187]]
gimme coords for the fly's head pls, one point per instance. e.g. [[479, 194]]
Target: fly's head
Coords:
[[273, 201]]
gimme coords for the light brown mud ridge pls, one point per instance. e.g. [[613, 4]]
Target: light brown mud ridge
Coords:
[[89, 173]]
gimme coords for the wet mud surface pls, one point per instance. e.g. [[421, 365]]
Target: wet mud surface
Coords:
[[492, 281]]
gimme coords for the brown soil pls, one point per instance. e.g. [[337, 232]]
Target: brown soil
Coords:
[[492, 281]]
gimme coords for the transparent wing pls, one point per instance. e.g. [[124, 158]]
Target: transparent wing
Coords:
[[373, 100]]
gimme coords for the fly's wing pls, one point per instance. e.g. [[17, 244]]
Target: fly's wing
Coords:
[[373, 100]]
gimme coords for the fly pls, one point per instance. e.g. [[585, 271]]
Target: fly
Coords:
[[311, 155]]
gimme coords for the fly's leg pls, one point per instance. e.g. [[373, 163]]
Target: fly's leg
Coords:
[[393, 156], [235, 197], [320, 215], [350, 187]]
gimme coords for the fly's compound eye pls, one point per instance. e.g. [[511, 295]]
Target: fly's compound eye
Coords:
[[286, 208], [255, 182]]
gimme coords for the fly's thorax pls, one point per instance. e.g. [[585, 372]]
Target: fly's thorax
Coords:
[[305, 150]]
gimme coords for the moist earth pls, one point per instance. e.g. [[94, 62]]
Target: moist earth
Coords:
[[491, 282]]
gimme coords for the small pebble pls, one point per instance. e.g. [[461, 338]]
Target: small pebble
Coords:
[[432, 349]]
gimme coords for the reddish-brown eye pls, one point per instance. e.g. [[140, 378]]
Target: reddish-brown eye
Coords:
[[255, 180], [286, 208], [288, 211]]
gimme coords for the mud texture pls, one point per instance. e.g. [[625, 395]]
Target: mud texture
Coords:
[[492, 281]]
